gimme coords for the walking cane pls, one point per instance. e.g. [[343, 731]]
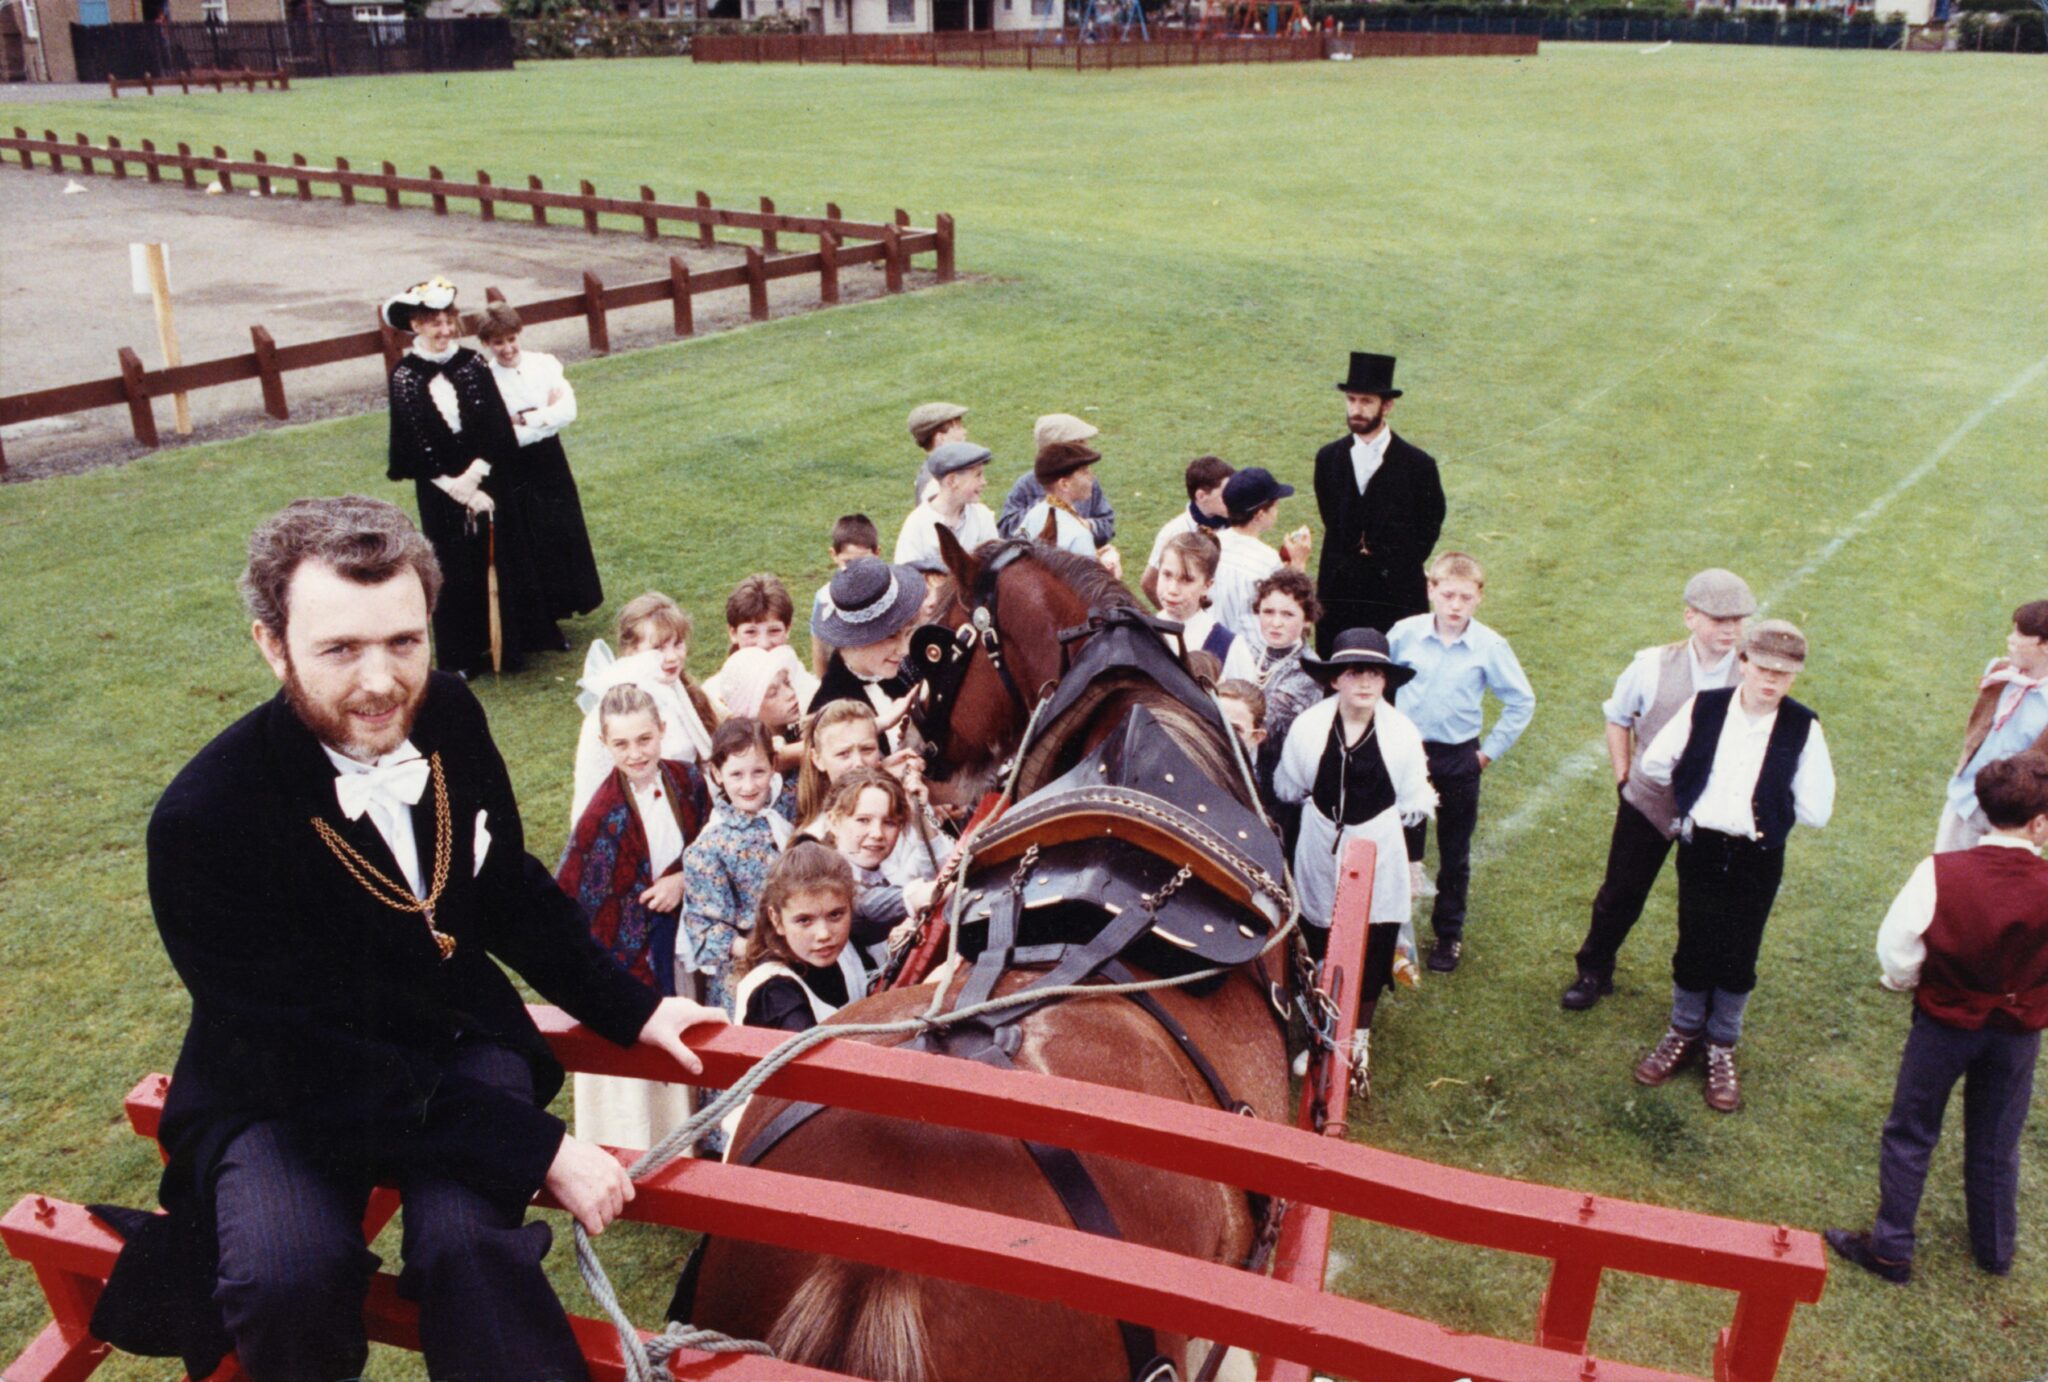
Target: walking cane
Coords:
[[491, 591]]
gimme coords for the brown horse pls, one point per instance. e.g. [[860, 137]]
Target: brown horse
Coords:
[[875, 1323]]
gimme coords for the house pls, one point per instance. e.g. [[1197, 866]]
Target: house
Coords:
[[927, 16], [35, 35]]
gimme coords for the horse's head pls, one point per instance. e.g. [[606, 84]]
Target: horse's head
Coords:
[[1003, 654]]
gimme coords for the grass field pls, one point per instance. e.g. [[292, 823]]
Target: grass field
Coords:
[[1773, 310]]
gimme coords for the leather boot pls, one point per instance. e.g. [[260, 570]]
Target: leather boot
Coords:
[[1724, 1090], [1675, 1051]]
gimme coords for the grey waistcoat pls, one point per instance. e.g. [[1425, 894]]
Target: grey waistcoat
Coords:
[[1674, 689]]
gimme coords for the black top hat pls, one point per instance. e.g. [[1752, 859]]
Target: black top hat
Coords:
[[1250, 490], [1357, 648], [1372, 374]]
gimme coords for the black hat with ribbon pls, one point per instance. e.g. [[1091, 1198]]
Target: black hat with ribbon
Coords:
[[868, 601], [1365, 648]]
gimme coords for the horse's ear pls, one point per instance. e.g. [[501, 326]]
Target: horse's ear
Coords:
[[1050, 534], [966, 570]]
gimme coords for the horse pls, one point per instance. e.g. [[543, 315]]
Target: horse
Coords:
[[1013, 603]]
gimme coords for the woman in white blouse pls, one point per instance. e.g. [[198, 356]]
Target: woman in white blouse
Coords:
[[541, 403]]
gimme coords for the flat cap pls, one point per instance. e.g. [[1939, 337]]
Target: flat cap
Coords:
[[1062, 458], [1776, 644], [1720, 594], [956, 455], [1060, 427], [927, 418]]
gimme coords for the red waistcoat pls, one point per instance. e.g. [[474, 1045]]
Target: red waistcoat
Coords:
[[1987, 949]]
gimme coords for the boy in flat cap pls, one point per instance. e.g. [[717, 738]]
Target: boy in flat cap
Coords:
[[1744, 765], [1646, 695], [1065, 471], [961, 469], [933, 425], [1057, 428]]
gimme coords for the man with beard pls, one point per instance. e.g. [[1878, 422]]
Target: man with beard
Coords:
[[1382, 506], [333, 877]]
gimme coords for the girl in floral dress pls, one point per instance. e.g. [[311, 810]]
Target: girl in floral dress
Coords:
[[726, 866]]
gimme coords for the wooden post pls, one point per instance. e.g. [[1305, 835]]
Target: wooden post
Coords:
[[84, 152], [593, 311], [262, 179], [440, 198], [494, 293], [149, 82], [828, 268], [679, 290], [348, 189], [832, 211], [186, 170], [305, 186], [167, 331], [757, 285], [56, 158], [540, 213], [704, 226], [902, 218], [220, 169], [650, 224], [114, 157], [269, 375], [113, 88], [768, 244], [486, 204], [28, 160], [150, 169], [139, 415], [892, 258], [589, 196], [945, 227], [391, 342], [1565, 1317], [390, 186]]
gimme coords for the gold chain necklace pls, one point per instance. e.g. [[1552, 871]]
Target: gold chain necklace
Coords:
[[397, 896]]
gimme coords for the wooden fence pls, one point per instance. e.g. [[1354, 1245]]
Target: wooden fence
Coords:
[[201, 77], [842, 244], [1030, 51]]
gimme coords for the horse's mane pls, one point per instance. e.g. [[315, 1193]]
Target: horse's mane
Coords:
[[1087, 579]]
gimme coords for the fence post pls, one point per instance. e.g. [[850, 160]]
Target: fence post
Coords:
[[768, 243], [390, 342], [828, 268], [139, 414], [84, 152], [1565, 1317], [832, 211], [150, 169], [28, 160], [945, 227], [440, 197], [593, 311], [262, 178], [114, 157], [305, 186], [220, 169], [56, 158], [679, 291], [1749, 1349], [540, 213], [268, 374], [113, 88], [390, 186], [650, 224], [486, 204], [348, 190], [757, 285], [892, 258], [589, 196], [185, 166], [704, 226]]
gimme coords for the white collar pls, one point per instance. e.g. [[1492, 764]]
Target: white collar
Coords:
[[1999, 837], [1375, 445], [343, 763], [1692, 650], [443, 358]]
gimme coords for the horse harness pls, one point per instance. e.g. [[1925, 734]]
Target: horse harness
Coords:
[[942, 657]]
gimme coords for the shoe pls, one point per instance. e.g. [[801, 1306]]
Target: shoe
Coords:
[[1675, 1051], [1444, 955], [1855, 1247], [1421, 886], [1995, 1268], [1724, 1090], [1585, 991]]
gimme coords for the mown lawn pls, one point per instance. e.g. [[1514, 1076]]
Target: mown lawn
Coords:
[[1773, 310]]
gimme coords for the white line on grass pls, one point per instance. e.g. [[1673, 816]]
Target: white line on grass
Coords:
[[1591, 757]]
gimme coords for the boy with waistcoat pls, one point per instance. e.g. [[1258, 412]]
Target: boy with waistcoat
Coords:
[[1646, 695], [2011, 714], [1968, 938], [1744, 765]]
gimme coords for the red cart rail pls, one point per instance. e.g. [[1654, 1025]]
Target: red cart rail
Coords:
[[1286, 1318]]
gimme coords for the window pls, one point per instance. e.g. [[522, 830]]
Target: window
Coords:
[[1041, 7], [750, 9], [902, 11], [31, 27], [214, 11], [839, 9]]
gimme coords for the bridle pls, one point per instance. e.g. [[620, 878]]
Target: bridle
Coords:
[[943, 657]]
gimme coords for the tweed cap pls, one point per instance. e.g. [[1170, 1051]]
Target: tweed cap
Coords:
[[1062, 458], [1720, 594], [956, 455], [1775, 644], [927, 418], [1060, 427]]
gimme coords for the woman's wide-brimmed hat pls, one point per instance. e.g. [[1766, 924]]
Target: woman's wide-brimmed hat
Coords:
[[1365, 648], [868, 601], [433, 295]]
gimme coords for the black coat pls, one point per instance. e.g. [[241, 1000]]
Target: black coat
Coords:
[[840, 684], [316, 1004], [1375, 544]]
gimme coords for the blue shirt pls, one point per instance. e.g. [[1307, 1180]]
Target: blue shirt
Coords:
[[1446, 697], [2016, 734]]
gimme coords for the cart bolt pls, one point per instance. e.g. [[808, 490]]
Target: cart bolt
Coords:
[[163, 1085], [1586, 1207], [1588, 1370], [1781, 1241], [45, 1211]]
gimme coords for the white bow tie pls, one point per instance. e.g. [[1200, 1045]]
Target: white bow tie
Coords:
[[398, 785]]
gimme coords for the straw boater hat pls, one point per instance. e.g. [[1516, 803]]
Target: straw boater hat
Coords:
[[1776, 644], [927, 418], [433, 295], [1365, 648], [868, 601]]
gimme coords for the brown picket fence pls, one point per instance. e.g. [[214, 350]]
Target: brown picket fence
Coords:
[[1028, 50]]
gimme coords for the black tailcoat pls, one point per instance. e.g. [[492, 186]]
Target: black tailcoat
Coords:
[[314, 1003], [1375, 544]]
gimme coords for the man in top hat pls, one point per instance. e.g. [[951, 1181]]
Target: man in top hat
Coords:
[[1744, 765], [867, 616], [1968, 938], [933, 425], [1650, 690], [961, 471], [1382, 506], [1095, 510]]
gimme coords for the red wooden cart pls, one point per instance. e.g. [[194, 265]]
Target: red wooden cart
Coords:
[[1286, 1318]]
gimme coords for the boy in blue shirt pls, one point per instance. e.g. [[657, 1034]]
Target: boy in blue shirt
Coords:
[[1457, 660]]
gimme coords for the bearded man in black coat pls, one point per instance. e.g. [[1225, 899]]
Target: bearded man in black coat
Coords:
[[336, 878], [1382, 506]]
